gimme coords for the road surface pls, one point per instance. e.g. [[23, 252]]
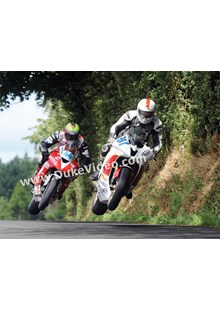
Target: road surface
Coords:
[[100, 230]]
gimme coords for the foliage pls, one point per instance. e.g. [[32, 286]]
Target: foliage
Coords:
[[70, 87], [206, 110], [4, 211], [212, 201], [19, 201], [57, 211], [13, 171], [187, 104], [97, 99], [56, 120]]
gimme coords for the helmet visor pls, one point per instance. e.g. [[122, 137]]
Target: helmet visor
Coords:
[[71, 137], [145, 114]]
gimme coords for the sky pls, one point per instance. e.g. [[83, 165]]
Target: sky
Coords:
[[15, 124]]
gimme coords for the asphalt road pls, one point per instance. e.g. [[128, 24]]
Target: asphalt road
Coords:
[[100, 230]]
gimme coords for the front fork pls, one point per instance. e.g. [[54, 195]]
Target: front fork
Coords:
[[39, 177]]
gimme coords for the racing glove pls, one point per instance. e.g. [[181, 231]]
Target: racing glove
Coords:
[[111, 138]]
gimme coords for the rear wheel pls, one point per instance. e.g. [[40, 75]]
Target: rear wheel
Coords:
[[99, 207], [120, 189], [33, 207], [48, 193]]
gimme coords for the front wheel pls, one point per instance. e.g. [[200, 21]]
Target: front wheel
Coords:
[[33, 207], [48, 193], [120, 189], [99, 208]]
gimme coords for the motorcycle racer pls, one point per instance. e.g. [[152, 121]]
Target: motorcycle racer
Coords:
[[141, 124], [68, 136]]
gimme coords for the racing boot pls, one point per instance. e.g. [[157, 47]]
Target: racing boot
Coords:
[[94, 176], [105, 149], [37, 192]]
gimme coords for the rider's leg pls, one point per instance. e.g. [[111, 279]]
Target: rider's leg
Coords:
[[105, 149], [137, 179], [66, 185], [41, 160]]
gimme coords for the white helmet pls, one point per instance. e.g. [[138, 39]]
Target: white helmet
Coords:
[[145, 111]]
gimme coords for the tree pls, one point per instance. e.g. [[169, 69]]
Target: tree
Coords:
[[56, 120], [4, 211], [13, 171], [70, 87], [19, 201], [187, 103]]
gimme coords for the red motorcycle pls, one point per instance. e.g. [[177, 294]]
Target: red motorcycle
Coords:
[[54, 177]]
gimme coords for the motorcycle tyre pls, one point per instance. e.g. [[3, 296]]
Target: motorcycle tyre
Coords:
[[33, 207], [48, 193], [120, 189], [99, 208]]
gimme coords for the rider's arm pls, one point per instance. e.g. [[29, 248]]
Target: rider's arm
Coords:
[[121, 124], [48, 142], [120, 127], [84, 154]]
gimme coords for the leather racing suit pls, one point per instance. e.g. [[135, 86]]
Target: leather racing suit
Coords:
[[59, 138], [140, 133]]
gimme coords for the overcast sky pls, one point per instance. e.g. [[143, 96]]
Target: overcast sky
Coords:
[[14, 125]]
